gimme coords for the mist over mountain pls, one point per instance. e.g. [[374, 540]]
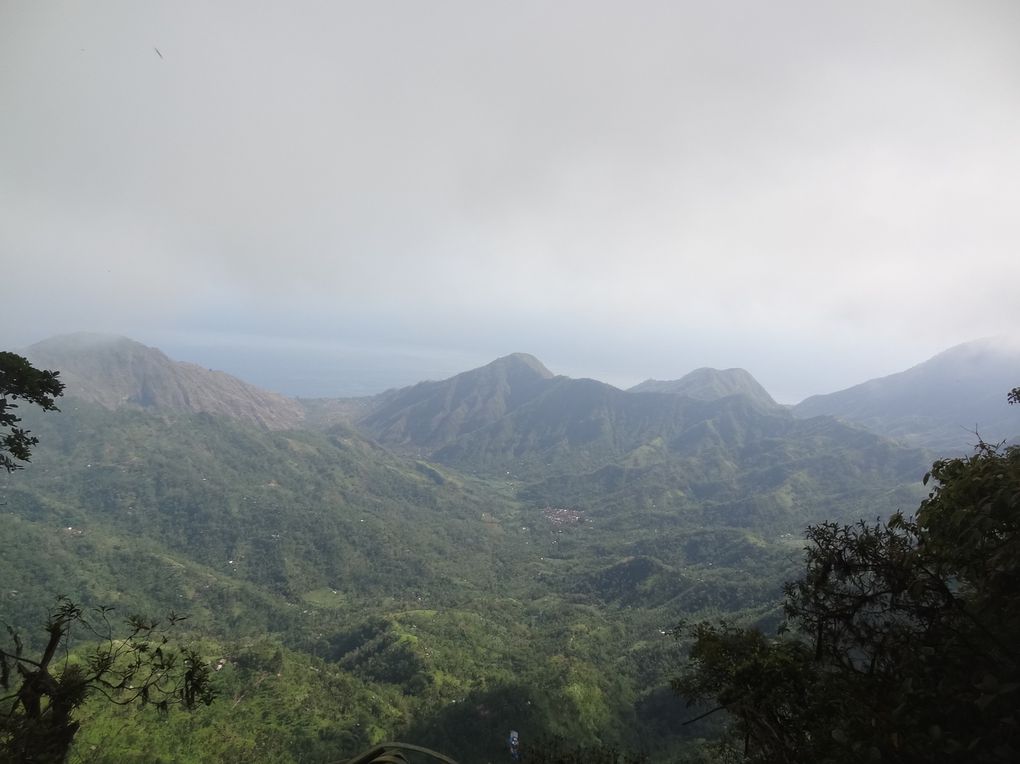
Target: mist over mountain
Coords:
[[944, 403], [117, 372]]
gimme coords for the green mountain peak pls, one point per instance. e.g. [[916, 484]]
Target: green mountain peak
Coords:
[[709, 384]]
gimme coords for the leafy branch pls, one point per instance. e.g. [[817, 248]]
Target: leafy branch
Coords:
[[36, 719]]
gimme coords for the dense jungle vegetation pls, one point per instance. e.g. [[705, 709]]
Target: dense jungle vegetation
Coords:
[[341, 593], [902, 635]]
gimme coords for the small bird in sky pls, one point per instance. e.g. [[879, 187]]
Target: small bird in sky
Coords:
[[157, 51]]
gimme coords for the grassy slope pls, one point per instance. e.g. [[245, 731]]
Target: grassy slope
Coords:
[[403, 599]]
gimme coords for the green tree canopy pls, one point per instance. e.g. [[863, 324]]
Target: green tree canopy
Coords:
[[901, 637], [19, 380]]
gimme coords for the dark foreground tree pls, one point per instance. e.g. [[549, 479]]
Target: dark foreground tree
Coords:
[[37, 716], [556, 751], [902, 640], [20, 380]]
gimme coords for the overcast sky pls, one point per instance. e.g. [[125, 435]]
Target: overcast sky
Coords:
[[354, 195]]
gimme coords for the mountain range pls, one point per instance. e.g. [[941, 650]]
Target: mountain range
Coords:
[[712, 445], [504, 546], [945, 403], [942, 404]]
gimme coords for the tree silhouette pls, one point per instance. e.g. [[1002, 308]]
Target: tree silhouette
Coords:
[[19, 380]]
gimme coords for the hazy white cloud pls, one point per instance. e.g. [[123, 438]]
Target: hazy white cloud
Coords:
[[817, 191]]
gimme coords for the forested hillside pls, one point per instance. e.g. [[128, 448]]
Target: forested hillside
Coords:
[[504, 549], [427, 588]]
